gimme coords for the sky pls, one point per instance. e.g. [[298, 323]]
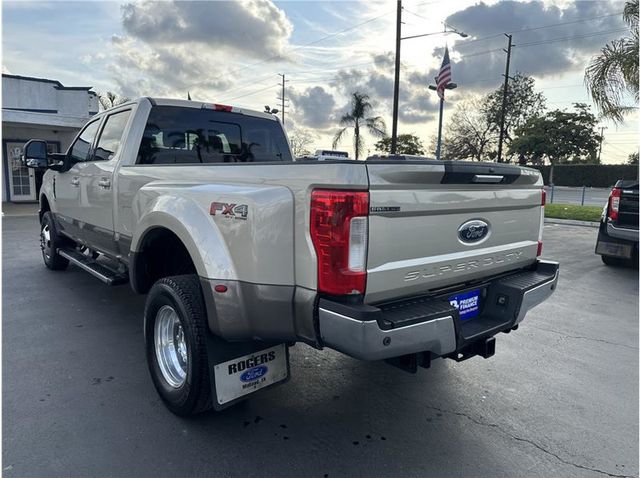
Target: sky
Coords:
[[233, 53]]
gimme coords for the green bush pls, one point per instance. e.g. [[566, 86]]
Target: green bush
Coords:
[[593, 175]]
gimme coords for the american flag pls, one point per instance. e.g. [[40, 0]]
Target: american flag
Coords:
[[444, 77]]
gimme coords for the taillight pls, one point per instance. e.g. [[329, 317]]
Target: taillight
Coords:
[[614, 203], [339, 232], [543, 201]]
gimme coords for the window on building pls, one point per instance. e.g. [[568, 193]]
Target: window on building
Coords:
[[82, 146], [193, 136], [111, 136]]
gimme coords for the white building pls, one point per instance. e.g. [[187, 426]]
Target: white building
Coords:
[[41, 109]]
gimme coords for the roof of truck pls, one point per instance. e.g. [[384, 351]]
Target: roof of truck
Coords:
[[197, 105], [212, 105]]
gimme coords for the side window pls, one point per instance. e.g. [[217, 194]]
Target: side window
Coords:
[[80, 149], [111, 136]]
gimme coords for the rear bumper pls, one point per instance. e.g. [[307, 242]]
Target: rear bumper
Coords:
[[431, 324], [616, 241], [625, 233]]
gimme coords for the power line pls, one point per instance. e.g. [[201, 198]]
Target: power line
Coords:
[[567, 23], [331, 35], [247, 94], [587, 35]]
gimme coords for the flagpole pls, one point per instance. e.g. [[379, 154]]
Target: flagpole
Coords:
[[439, 144]]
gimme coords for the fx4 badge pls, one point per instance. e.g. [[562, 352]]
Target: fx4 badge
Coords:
[[231, 211]]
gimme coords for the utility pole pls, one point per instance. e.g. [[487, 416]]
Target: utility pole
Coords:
[[396, 84], [283, 82], [602, 128], [504, 99]]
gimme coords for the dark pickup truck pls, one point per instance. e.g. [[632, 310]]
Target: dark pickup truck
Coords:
[[618, 237]]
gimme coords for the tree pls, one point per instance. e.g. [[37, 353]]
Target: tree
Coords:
[[633, 158], [108, 99], [613, 74], [559, 136], [523, 103], [469, 134], [406, 144], [357, 119], [301, 140]]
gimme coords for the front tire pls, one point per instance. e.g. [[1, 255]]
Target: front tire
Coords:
[[175, 338], [50, 242]]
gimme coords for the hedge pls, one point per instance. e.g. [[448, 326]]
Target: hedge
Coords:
[[593, 175]]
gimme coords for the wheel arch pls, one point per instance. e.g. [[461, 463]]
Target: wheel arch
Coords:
[[163, 236]]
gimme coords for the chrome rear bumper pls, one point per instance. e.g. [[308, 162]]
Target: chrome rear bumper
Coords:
[[431, 324]]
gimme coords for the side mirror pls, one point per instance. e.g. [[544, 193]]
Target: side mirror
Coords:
[[35, 154]]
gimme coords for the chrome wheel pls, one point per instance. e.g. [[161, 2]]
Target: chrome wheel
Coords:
[[45, 241], [171, 347]]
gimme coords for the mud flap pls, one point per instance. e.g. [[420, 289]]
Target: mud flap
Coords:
[[239, 369]]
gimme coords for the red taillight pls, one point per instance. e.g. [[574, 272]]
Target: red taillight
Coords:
[[217, 107], [222, 108], [339, 235], [614, 203], [544, 197]]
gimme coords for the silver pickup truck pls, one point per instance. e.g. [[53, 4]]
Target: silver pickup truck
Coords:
[[243, 252]]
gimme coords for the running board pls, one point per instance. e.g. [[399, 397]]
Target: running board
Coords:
[[105, 274]]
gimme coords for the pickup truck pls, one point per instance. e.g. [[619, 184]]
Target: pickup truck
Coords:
[[243, 252], [617, 241]]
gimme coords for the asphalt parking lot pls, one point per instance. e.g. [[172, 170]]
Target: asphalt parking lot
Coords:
[[559, 398]]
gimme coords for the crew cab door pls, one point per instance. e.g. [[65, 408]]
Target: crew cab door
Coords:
[[95, 211], [66, 186]]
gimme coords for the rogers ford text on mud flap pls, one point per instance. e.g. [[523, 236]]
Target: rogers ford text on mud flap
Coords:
[[244, 375]]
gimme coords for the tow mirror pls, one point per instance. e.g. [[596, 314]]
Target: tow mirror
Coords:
[[35, 154]]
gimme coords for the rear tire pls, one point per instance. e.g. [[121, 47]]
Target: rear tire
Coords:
[[50, 242], [175, 338]]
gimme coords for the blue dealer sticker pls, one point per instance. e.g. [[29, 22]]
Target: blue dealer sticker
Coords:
[[468, 304]]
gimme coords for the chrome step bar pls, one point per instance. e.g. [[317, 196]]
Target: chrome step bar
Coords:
[[86, 263]]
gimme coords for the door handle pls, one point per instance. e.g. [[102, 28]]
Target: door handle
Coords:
[[104, 183], [75, 181]]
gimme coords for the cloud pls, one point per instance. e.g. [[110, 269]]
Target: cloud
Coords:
[[256, 28], [475, 63], [169, 48], [314, 107]]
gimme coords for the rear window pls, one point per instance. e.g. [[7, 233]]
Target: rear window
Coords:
[[195, 136]]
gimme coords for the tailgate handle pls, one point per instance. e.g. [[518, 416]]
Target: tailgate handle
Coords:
[[487, 178]]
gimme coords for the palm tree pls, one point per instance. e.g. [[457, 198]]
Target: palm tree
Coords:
[[356, 119], [614, 73], [108, 99]]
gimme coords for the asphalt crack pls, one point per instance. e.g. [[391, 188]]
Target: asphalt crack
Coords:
[[530, 442], [583, 338]]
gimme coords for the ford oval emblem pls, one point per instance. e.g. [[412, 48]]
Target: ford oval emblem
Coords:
[[254, 373], [473, 231]]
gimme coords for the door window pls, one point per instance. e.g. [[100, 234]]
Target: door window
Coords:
[[111, 136], [82, 146]]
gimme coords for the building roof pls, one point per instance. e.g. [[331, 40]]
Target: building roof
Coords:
[[58, 85]]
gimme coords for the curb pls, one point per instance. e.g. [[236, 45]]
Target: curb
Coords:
[[571, 222]]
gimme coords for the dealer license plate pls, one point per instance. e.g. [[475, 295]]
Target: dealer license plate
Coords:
[[467, 303], [244, 375]]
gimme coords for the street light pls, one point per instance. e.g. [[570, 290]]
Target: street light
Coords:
[[449, 86], [396, 85]]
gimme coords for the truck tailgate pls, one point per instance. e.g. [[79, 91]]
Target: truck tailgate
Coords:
[[436, 224]]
